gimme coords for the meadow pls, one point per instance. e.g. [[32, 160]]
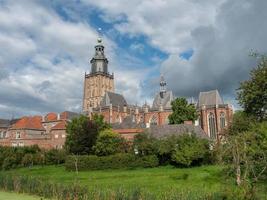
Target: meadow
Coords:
[[166, 182], [15, 196]]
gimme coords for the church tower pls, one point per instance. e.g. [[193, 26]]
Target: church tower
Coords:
[[98, 81]]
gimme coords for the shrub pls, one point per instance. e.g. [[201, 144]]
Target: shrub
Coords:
[[190, 150], [116, 161], [55, 156], [109, 143], [9, 163]]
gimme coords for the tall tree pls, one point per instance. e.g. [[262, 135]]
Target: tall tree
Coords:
[[182, 111], [82, 133], [252, 94]]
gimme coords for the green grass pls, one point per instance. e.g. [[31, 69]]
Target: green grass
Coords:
[[15, 196], [154, 180]]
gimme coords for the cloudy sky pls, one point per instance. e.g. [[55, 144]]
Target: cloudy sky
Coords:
[[45, 47]]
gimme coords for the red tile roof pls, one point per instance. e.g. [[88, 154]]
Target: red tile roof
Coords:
[[128, 130], [51, 117], [34, 122], [60, 126]]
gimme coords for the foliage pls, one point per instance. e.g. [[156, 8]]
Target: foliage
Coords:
[[100, 123], [252, 94], [144, 144], [190, 150], [117, 161], [246, 152], [81, 135], [109, 143], [182, 111], [14, 157]]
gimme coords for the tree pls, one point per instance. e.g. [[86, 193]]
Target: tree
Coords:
[[82, 133], [182, 111], [109, 143], [190, 150], [246, 152], [143, 144], [252, 94]]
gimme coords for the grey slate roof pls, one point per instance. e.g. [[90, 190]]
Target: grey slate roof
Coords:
[[163, 99], [114, 99], [176, 129], [128, 123], [209, 98], [5, 123]]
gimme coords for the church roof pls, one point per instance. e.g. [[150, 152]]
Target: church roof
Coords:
[[128, 123], [176, 129], [114, 99], [209, 98], [164, 99]]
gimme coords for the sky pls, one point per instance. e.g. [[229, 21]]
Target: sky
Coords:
[[46, 46]]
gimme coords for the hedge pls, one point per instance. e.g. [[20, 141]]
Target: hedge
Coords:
[[117, 161]]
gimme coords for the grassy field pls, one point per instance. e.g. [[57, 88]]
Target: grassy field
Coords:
[[14, 196], [157, 181]]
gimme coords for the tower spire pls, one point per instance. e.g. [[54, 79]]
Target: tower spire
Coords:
[[162, 84]]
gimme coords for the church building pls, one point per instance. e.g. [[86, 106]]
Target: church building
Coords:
[[100, 98]]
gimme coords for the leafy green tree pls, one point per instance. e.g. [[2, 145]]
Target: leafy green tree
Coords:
[[81, 135], [246, 152], [182, 111], [143, 144], [190, 150], [252, 94], [100, 123], [109, 143]]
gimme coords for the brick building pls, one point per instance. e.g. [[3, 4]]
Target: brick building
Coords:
[[46, 131]]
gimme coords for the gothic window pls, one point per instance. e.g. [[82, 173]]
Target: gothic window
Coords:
[[154, 120], [222, 120], [212, 126]]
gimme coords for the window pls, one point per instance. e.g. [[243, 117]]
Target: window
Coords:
[[56, 136], [222, 120], [14, 144], [63, 135], [21, 144], [212, 126], [154, 121], [18, 135]]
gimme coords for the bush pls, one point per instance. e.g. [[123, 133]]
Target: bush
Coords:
[[55, 157], [109, 143], [9, 163], [117, 161], [190, 150]]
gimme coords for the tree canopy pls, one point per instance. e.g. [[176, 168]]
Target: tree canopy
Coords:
[[182, 111], [252, 93], [82, 133]]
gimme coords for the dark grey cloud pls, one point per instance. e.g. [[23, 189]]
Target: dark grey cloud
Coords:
[[221, 51]]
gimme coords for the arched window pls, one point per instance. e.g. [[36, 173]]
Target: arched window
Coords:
[[212, 126], [222, 120], [154, 120]]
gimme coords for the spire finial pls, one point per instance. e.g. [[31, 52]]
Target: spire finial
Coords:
[[162, 84], [99, 31]]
